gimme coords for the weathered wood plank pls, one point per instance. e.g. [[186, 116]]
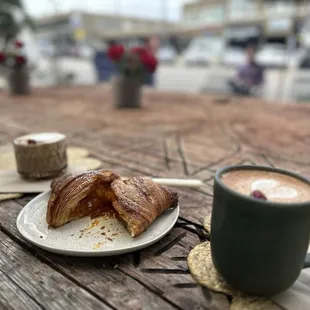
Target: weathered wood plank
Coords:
[[118, 279], [97, 275], [49, 288], [12, 297]]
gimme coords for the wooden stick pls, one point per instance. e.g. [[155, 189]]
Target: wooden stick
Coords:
[[177, 182]]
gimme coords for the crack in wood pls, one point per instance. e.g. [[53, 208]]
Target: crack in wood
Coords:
[[179, 258], [207, 294], [185, 285], [208, 180], [137, 258], [231, 134], [181, 153], [201, 234], [30, 249], [188, 222], [25, 292], [267, 160], [166, 154], [246, 161], [203, 192], [153, 289], [197, 230], [290, 160], [181, 225], [165, 271], [170, 244], [219, 161]]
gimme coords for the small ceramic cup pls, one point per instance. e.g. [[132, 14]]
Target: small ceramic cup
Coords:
[[41, 155], [258, 246]]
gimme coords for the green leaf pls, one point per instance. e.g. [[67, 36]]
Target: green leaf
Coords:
[[9, 26]]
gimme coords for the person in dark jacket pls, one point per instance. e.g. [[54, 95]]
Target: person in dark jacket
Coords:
[[249, 76]]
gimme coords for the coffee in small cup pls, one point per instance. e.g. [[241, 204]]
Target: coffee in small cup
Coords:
[[41, 155]]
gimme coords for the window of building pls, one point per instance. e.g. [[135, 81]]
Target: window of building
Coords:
[[207, 15], [279, 25], [238, 9], [212, 15], [108, 24], [279, 7]]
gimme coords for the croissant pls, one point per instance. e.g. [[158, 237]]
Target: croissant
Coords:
[[72, 197], [137, 202]]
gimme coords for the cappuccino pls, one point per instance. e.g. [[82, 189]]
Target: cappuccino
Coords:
[[275, 186]]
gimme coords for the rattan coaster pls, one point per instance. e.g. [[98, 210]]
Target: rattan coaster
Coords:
[[207, 223], [203, 271], [253, 303], [201, 267]]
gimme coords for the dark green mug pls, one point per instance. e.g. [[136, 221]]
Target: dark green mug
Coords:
[[258, 246]]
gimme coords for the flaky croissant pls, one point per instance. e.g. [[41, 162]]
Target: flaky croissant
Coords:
[[137, 201], [75, 197]]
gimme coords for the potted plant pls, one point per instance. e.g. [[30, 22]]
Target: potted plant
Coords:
[[133, 66], [14, 65], [13, 62]]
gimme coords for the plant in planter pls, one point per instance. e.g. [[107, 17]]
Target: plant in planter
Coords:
[[14, 64], [13, 18], [134, 66]]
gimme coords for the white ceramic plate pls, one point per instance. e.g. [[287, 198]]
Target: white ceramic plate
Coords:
[[88, 237]]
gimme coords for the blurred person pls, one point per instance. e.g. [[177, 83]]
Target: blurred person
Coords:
[[249, 77], [153, 44]]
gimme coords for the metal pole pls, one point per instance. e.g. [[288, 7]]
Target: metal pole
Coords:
[[163, 18], [117, 7], [55, 56]]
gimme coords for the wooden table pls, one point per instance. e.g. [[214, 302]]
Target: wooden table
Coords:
[[174, 135]]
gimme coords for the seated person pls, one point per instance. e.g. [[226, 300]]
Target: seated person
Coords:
[[249, 76]]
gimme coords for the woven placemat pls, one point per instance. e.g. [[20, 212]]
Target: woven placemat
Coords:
[[203, 271], [207, 223], [77, 157]]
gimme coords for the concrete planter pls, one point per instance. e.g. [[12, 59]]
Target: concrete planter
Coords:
[[127, 92], [18, 82]]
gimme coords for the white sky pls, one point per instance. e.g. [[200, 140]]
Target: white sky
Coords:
[[140, 8]]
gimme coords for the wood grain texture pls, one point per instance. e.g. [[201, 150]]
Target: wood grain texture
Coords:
[[12, 297], [49, 288], [121, 281], [174, 135]]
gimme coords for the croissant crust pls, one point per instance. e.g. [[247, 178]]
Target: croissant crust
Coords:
[[137, 202]]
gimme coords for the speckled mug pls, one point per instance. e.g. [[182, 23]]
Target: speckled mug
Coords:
[[41, 155]]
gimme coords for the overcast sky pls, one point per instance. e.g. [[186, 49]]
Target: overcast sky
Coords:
[[141, 8]]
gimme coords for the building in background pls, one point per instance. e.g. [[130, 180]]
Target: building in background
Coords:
[[273, 25], [74, 32], [243, 20]]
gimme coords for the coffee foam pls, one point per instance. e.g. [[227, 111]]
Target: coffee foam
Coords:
[[276, 186]]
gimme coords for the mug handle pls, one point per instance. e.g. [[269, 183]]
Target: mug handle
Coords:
[[307, 261]]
